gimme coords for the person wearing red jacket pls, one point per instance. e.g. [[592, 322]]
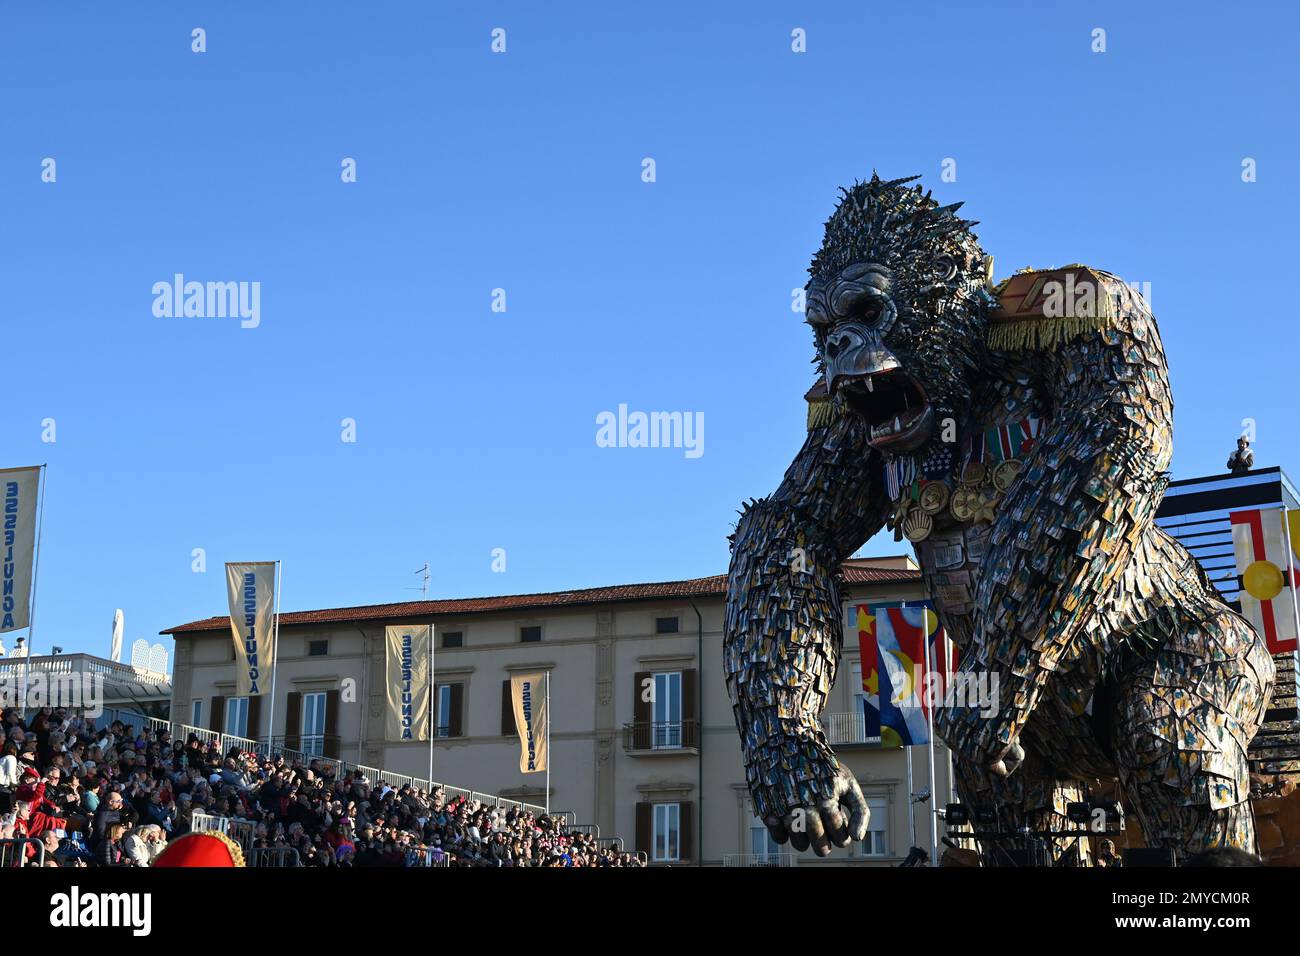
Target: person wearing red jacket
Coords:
[[32, 823]]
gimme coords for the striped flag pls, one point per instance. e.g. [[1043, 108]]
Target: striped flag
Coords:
[[1265, 543]]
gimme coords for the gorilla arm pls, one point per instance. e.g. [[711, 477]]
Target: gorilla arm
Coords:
[[1068, 527], [783, 634]]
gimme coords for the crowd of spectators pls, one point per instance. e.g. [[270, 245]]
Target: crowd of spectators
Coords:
[[113, 795]]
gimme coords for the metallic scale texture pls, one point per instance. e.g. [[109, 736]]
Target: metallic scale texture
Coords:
[[1019, 437]]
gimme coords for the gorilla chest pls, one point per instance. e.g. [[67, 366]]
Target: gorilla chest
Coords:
[[946, 501]]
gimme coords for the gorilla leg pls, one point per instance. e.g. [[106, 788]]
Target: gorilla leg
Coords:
[[1185, 714]]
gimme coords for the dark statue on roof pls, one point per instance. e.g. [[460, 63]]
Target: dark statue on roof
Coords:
[[1019, 437]]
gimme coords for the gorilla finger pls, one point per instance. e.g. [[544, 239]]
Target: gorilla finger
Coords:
[[817, 833], [775, 827], [859, 812], [836, 824]]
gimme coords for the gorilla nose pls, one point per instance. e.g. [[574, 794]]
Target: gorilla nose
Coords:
[[853, 351]]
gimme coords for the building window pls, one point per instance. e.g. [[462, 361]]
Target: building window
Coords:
[[453, 638], [877, 841], [530, 635], [196, 712], [667, 832], [313, 724], [318, 648], [667, 711], [442, 707], [761, 844], [236, 723], [666, 625]]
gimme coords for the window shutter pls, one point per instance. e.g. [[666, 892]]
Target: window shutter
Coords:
[[690, 708], [217, 718], [292, 721], [508, 728], [254, 716], [331, 748], [686, 831], [642, 711], [643, 827], [457, 703]]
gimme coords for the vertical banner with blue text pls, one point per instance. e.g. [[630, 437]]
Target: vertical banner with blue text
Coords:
[[250, 588], [528, 693], [409, 681], [19, 487]]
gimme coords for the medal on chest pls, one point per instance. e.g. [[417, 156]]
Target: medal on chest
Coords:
[[968, 487]]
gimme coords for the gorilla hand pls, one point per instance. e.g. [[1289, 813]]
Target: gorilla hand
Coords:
[[830, 809]]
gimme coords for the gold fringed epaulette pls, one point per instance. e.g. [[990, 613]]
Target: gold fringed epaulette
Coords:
[[821, 410], [1043, 308]]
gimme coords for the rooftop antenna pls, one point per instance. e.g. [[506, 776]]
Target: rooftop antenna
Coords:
[[424, 583]]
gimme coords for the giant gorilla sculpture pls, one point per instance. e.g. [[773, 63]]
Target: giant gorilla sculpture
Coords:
[[1019, 436]]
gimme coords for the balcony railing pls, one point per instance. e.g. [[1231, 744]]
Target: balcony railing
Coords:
[[847, 728], [759, 859], [12, 668], [666, 735]]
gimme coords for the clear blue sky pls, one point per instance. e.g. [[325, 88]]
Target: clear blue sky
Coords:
[[476, 430]]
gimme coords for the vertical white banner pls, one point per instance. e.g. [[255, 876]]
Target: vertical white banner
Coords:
[[528, 694], [410, 685], [250, 588], [19, 488]]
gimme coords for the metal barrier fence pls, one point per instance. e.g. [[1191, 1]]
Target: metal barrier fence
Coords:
[[273, 856], [426, 858], [209, 822], [13, 853], [242, 832], [759, 859]]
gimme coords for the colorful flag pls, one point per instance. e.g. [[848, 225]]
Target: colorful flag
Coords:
[[1265, 547], [409, 685], [904, 687], [528, 693], [20, 487], [863, 619], [250, 589]]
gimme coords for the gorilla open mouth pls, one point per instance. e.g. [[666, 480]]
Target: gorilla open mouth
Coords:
[[894, 406]]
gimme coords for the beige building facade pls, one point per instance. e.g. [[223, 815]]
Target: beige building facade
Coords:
[[643, 741]]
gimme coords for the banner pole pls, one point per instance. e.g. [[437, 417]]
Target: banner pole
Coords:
[[911, 804], [549, 756], [433, 692], [929, 748], [1290, 575], [275, 661], [31, 603], [947, 685]]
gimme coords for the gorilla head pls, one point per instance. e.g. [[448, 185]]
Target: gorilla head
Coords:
[[899, 305]]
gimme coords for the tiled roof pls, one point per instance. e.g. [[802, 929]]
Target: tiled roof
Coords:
[[715, 585]]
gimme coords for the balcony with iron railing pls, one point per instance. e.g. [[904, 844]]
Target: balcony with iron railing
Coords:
[[847, 730], [662, 737], [759, 859]]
